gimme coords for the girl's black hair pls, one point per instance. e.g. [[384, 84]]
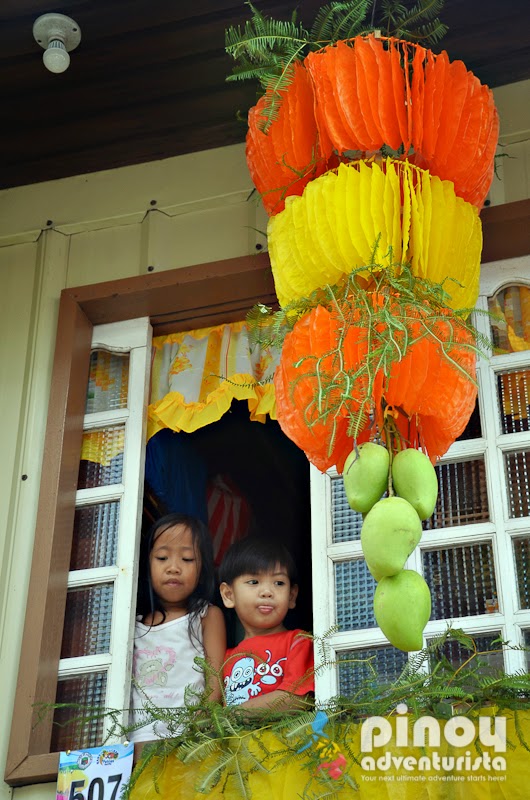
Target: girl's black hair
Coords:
[[203, 593], [253, 555]]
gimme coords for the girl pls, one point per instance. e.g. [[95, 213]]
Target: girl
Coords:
[[177, 624]]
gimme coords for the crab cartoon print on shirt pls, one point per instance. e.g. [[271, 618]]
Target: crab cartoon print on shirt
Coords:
[[240, 685]]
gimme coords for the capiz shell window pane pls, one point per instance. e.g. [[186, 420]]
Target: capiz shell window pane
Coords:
[[87, 621], [346, 522], [513, 390], [354, 587], [489, 658], [521, 548], [102, 457], [462, 494], [80, 723], [95, 539], [379, 664], [461, 580], [517, 467], [108, 382]]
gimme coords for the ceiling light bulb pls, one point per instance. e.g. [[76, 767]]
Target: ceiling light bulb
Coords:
[[56, 57], [57, 34]]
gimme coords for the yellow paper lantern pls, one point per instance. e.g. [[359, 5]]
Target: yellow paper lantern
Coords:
[[332, 227]]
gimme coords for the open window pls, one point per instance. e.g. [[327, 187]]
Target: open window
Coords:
[[95, 657]]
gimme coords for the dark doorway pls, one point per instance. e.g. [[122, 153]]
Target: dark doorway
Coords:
[[262, 472]]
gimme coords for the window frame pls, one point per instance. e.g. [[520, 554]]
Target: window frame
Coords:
[[180, 299], [134, 338]]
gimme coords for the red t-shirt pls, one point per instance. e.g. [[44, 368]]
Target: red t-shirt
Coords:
[[263, 664]]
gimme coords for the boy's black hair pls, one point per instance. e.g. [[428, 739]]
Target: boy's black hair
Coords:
[[202, 543], [253, 555]]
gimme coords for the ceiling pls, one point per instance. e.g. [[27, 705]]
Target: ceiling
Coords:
[[148, 79]]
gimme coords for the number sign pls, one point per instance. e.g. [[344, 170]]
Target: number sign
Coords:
[[97, 773]]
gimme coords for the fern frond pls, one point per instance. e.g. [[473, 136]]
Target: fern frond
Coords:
[[417, 23], [338, 20], [248, 70], [265, 41], [197, 750], [299, 726], [211, 778], [426, 10], [351, 24], [430, 34]]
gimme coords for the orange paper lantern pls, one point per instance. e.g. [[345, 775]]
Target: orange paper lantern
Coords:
[[283, 160], [371, 92], [431, 395], [324, 439]]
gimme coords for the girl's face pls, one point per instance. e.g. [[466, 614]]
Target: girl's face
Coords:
[[175, 569]]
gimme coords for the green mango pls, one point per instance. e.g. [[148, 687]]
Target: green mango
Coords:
[[402, 606], [389, 534], [414, 478], [365, 476]]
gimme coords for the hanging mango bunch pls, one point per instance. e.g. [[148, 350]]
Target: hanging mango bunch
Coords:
[[391, 531], [373, 156]]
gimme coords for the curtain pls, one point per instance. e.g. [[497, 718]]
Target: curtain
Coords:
[[510, 329], [196, 374], [511, 322]]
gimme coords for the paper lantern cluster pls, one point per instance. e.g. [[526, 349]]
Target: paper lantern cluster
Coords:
[[332, 191], [373, 174]]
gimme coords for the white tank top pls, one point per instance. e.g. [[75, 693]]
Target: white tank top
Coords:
[[163, 666]]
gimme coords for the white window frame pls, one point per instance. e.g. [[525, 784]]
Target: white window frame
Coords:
[[133, 337], [500, 530]]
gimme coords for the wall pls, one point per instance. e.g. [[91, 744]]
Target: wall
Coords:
[[91, 228], [512, 181]]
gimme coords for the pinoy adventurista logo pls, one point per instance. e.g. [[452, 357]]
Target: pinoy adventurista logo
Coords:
[[476, 762]]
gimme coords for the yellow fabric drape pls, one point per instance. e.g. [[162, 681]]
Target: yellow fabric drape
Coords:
[[196, 374], [511, 334], [332, 229], [511, 329], [174, 780], [101, 446]]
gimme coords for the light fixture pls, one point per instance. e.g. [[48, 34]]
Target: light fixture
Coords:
[[58, 35]]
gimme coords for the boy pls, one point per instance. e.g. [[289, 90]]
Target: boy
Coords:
[[271, 667]]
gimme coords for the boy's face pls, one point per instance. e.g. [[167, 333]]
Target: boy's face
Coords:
[[261, 600]]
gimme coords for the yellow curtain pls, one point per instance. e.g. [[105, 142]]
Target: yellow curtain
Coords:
[[511, 334], [511, 327], [196, 374]]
